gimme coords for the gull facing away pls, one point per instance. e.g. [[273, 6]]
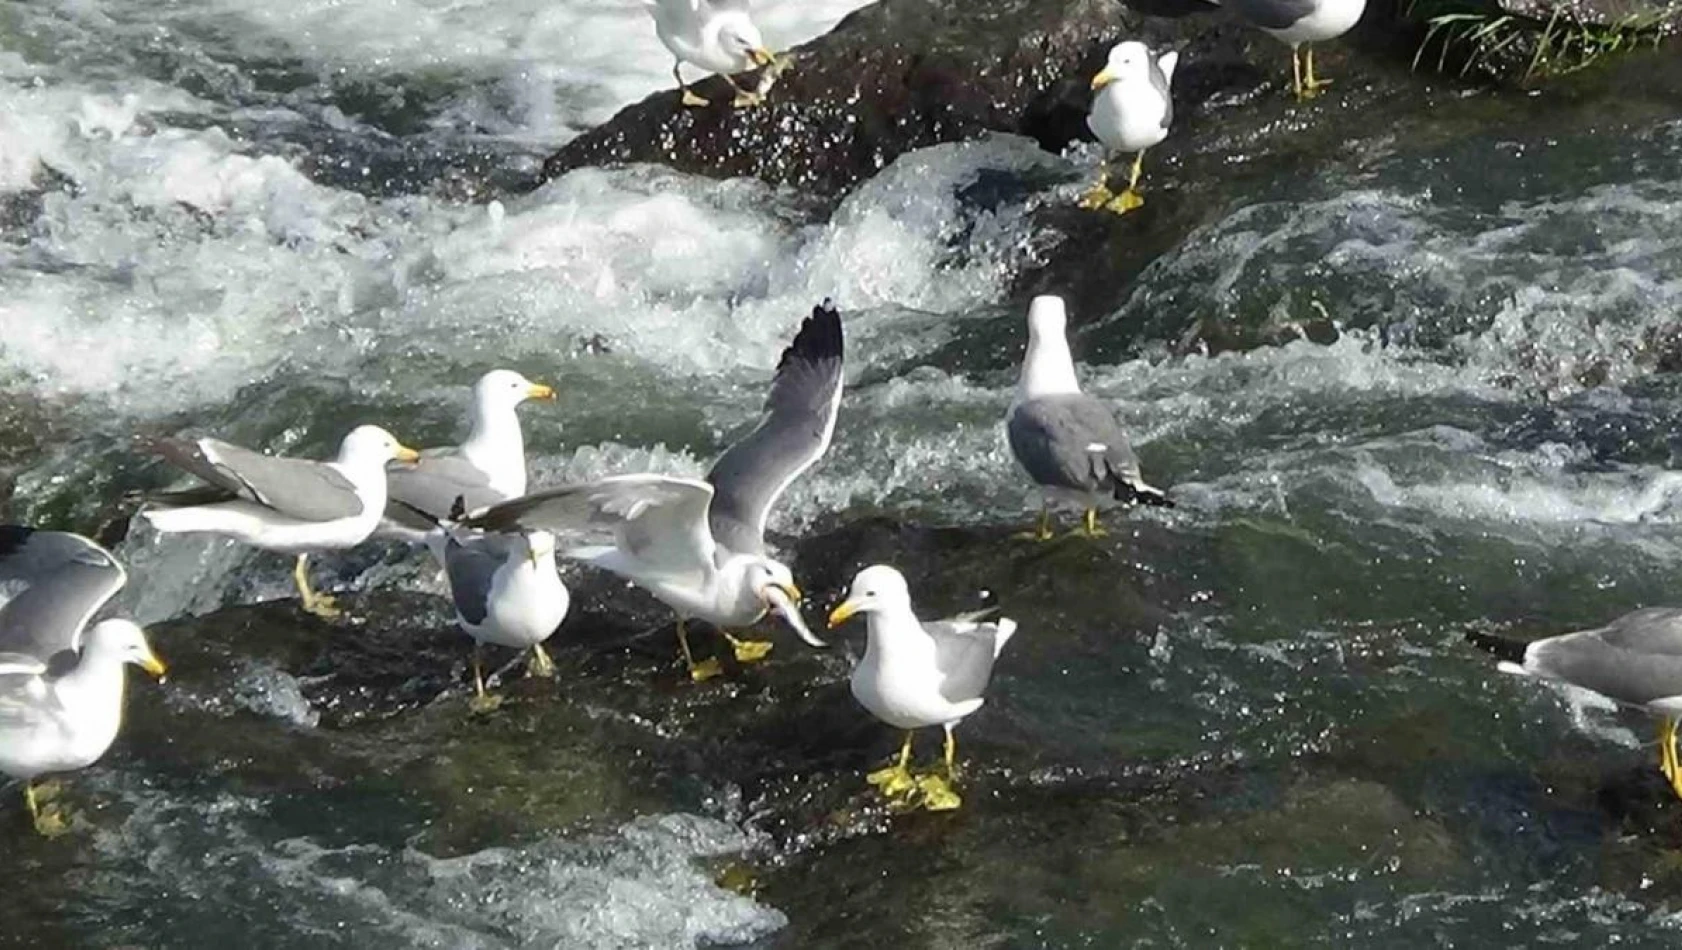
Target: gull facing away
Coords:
[[715, 35], [289, 505], [61, 681], [1131, 111], [490, 466], [917, 674], [1635, 660], [506, 591], [1069, 443], [1299, 22], [699, 546]]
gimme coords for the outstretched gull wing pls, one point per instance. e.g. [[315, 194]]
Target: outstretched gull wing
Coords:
[[660, 521], [58, 581], [795, 432], [1074, 442], [433, 485], [299, 488]]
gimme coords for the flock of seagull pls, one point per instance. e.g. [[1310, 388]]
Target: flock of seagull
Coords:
[[696, 544]]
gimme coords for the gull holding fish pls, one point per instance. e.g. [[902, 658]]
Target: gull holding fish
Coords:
[[718, 36], [699, 545]]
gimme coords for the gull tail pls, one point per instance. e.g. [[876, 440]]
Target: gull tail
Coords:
[[1136, 491], [1509, 652], [189, 520]]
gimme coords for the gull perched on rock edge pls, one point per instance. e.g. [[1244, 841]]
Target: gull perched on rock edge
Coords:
[[61, 682], [699, 546], [293, 506], [1069, 443], [490, 466], [1635, 660], [505, 590], [715, 35], [916, 675], [1131, 111], [1298, 22]]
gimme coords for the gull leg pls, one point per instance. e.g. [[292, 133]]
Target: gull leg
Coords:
[[1669, 749], [1041, 533], [895, 781], [1090, 526], [744, 98], [936, 789], [1099, 195], [749, 651], [699, 672], [1130, 199], [482, 701], [320, 605], [1311, 86], [540, 665], [49, 820], [1666, 766], [690, 99]]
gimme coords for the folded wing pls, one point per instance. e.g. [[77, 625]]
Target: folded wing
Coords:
[[299, 488]]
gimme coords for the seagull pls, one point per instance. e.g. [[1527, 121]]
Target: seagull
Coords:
[[1296, 22], [1069, 443], [916, 675], [1131, 111], [61, 682], [280, 504], [487, 468], [699, 545], [1635, 660], [506, 591], [715, 35]]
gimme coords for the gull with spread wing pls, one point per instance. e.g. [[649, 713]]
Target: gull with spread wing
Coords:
[[699, 546], [61, 681]]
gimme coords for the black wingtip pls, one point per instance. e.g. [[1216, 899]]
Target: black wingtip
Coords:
[[1129, 493], [12, 538], [1512, 651], [819, 337]]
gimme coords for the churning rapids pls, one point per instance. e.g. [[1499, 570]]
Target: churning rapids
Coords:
[[1247, 721]]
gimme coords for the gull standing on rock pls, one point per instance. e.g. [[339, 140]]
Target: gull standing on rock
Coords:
[[1069, 443], [715, 35], [490, 466], [1131, 111], [61, 689], [1636, 660], [293, 506], [506, 591], [699, 546], [916, 675], [1298, 22]]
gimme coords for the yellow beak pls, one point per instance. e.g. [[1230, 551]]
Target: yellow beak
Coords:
[[540, 391], [792, 591], [406, 454], [1104, 78], [151, 664], [762, 56], [840, 614]]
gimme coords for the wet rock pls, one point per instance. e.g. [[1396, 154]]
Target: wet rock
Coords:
[[905, 74]]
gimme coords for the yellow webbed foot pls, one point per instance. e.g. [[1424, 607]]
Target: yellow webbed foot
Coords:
[[484, 703], [323, 606], [937, 794], [895, 781], [1125, 202], [692, 101], [749, 651], [51, 823], [706, 669], [539, 664], [1041, 534], [747, 100], [1097, 198]]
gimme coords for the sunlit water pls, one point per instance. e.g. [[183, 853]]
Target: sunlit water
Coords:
[[264, 220]]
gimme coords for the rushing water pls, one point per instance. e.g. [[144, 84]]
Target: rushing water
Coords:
[[1246, 721]]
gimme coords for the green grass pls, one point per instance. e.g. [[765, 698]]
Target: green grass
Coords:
[[1558, 47]]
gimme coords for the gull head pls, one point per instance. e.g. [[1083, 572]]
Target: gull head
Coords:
[[372, 445], [125, 642], [773, 583], [878, 588], [1128, 62], [739, 39], [505, 389]]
